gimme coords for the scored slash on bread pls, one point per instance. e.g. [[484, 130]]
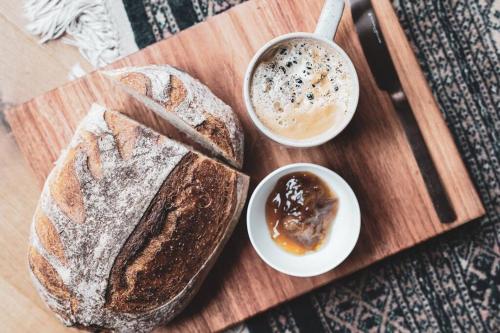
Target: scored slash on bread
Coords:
[[128, 225], [187, 104]]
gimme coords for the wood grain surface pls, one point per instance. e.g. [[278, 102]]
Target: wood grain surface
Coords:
[[372, 154]]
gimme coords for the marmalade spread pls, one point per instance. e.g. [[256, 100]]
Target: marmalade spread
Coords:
[[299, 211]]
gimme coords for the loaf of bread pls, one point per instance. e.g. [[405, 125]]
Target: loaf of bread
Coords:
[[128, 225], [187, 104]]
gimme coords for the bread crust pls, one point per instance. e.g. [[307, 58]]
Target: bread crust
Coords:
[[48, 236], [168, 245], [186, 103], [124, 177]]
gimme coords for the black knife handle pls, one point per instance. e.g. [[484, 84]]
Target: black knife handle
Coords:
[[432, 181]]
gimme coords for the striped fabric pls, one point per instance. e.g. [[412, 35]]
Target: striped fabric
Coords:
[[450, 283]]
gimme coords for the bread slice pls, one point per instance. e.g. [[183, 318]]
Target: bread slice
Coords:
[[188, 105], [128, 225]]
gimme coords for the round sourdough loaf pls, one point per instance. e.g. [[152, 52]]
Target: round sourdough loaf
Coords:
[[128, 224], [187, 104]]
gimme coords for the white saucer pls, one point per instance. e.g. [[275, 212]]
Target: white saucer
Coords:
[[340, 240]]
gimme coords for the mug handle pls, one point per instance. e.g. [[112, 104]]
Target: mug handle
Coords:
[[329, 18]]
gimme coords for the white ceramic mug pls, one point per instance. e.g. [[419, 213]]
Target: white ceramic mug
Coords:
[[324, 33]]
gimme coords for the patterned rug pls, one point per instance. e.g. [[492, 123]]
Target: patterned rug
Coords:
[[451, 283]]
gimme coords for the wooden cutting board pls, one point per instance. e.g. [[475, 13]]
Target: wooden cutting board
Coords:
[[372, 154]]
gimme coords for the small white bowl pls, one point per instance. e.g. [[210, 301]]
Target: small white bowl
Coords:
[[339, 242]]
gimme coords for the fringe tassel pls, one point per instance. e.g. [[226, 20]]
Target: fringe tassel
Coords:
[[88, 22]]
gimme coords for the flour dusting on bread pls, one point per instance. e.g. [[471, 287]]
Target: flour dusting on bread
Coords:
[[187, 104], [120, 197], [113, 203]]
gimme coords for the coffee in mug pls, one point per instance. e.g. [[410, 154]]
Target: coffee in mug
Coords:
[[301, 88]]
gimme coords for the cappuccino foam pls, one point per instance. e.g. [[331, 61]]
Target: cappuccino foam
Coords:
[[301, 88]]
